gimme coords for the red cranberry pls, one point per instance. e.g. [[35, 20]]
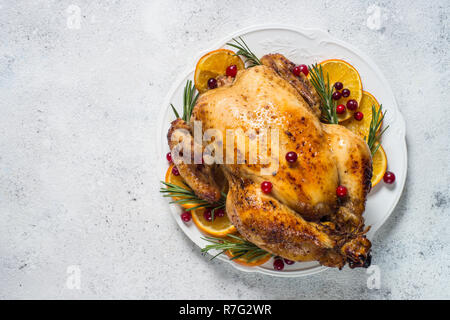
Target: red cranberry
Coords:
[[266, 186], [169, 157], [352, 104], [345, 93], [341, 191], [336, 95], [207, 215], [278, 264], [389, 177], [291, 156], [231, 70], [338, 85], [304, 69], [175, 171], [340, 109], [219, 212], [212, 83], [300, 69], [186, 216], [289, 262], [358, 115]]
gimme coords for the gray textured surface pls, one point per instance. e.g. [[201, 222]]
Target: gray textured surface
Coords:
[[77, 180]]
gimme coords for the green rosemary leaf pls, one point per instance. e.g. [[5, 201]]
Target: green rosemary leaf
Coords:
[[223, 251], [243, 50], [256, 255], [189, 100], [239, 247], [237, 256], [325, 92], [375, 124], [235, 237], [375, 149], [187, 195], [175, 111]]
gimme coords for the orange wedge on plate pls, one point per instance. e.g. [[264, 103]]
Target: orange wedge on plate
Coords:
[[177, 180], [219, 227], [379, 164], [243, 261], [342, 71], [214, 64], [362, 127]]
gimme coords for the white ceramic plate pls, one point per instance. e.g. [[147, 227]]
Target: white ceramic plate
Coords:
[[307, 46]]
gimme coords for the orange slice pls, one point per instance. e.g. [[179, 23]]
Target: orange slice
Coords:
[[177, 180], [247, 260], [214, 64], [362, 127], [342, 71], [219, 227], [379, 164]]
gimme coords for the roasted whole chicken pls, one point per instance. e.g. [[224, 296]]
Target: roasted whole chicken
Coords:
[[301, 219]]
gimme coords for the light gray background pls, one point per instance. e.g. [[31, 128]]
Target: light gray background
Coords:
[[78, 184]]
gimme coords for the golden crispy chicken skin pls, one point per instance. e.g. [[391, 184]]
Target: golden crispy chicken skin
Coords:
[[284, 68], [301, 219], [199, 177]]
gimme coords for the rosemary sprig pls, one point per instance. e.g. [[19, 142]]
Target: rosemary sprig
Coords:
[[189, 100], [375, 124], [325, 92], [187, 195], [244, 50], [175, 111], [238, 247]]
